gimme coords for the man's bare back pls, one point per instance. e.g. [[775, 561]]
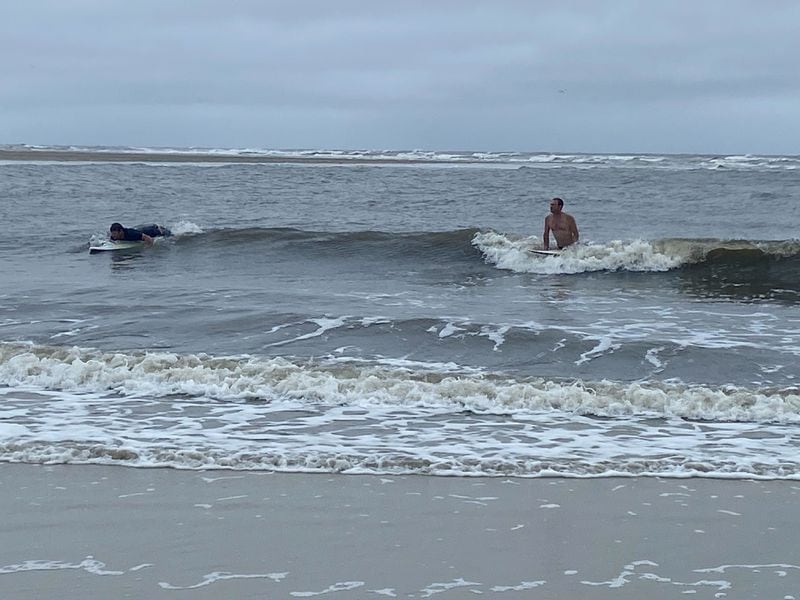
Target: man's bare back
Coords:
[[561, 224]]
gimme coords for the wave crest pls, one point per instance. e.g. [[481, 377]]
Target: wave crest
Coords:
[[511, 252], [163, 374]]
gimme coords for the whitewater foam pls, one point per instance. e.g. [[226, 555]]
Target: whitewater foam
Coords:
[[346, 383], [513, 253]]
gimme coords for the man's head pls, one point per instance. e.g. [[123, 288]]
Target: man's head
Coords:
[[556, 204], [116, 231]]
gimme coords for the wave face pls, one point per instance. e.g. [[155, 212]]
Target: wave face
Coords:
[[73, 405], [376, 245], [766, 263]]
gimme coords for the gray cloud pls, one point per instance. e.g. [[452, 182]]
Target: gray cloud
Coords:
[[712, 76]]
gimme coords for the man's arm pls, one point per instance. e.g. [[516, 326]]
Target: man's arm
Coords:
[[134, 235], [546, 235], [573, 230]]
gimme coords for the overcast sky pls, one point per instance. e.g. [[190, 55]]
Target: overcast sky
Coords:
[[707, 76]]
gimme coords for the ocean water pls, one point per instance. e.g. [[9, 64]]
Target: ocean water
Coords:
[[379, 312]]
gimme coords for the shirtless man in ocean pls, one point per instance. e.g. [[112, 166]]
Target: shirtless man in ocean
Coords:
[[561, 224]]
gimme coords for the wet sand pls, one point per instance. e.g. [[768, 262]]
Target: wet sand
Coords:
[[78, 532]]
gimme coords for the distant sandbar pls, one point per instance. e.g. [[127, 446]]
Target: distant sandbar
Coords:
[[51, 155]]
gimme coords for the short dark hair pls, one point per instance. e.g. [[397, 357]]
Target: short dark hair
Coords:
[[560, 202], [116, 227]]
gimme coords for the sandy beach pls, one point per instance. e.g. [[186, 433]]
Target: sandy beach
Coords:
[[78, 532]]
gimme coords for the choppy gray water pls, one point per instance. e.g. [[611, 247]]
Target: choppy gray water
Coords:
[[388, 317]]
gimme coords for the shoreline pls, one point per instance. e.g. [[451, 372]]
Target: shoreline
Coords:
[[89, 531], [188, 157]]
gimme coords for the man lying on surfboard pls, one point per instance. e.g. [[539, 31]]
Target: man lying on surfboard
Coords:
[[561, 224], [144, 233]]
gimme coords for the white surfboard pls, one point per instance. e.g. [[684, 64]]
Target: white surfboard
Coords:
[[110, 246], [544, 252]]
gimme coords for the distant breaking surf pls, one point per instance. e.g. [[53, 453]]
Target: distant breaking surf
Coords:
[[677, 162]]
